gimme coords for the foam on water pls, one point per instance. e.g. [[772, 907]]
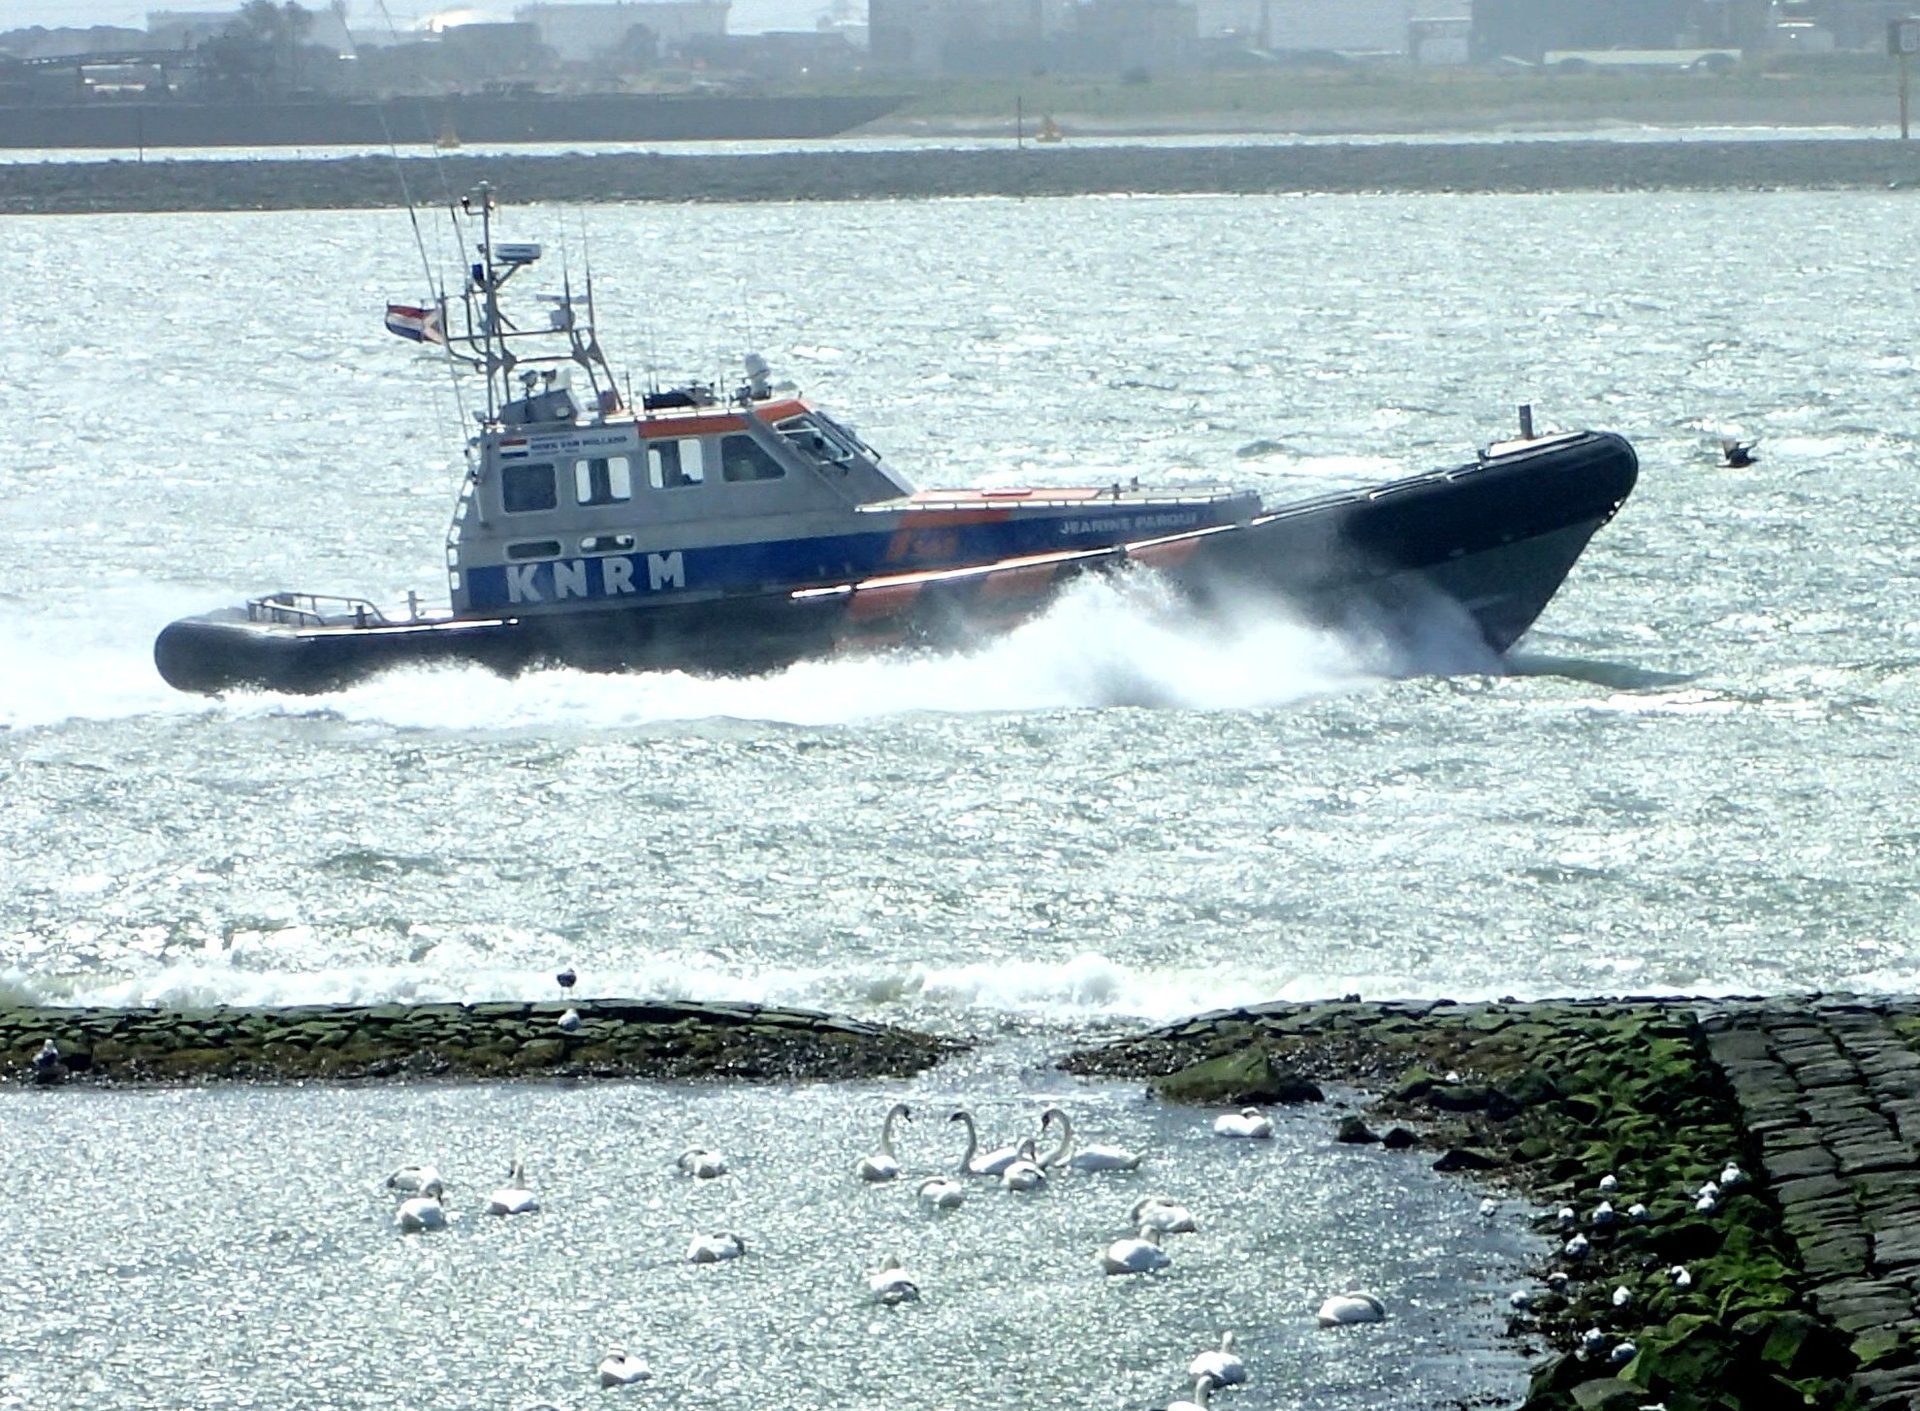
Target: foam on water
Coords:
[[1104, 643]]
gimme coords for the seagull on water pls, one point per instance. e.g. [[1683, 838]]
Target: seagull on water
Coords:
[[715, 1249], [891, 1285], [620, 1368], [701, 1163]]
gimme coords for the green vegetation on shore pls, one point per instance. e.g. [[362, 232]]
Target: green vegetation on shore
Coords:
[[1551, 1099]]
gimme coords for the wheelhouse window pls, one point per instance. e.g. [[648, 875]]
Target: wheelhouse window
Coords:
[[603, 480], [743, 458], [818, 439], [672, 464], [535, 549], [525, 488]]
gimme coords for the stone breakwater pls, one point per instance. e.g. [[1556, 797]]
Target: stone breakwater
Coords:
[[1252, 169], [614, 1039], [1802, 1263]]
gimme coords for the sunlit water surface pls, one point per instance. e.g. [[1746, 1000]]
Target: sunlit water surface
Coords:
[[1694, 775]]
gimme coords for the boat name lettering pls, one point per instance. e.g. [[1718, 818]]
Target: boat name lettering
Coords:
[[581, 443], [574, 578], [1176, 520]]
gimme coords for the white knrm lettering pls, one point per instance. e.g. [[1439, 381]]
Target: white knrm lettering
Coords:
[[570, 579], [616, 576], [520, 585], [666, 571]]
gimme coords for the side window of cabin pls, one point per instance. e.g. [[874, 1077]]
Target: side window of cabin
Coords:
[[604, 480], [671, 464], [743, 458], [525, 488]]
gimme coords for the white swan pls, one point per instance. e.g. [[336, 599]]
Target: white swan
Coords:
[[1221, 1366], [417, 1180], [420, 1213], [620, 1368], [1025, 1174], [883, 1165], [1248, 1122], [993, 1163], [1351, 1308], [701, 1164], [1202, 1387], [890, 1284], [1140, 1254], [1163, 1216], [513, 1198], [1088, 1158], [943, 1193], [715, 1249]]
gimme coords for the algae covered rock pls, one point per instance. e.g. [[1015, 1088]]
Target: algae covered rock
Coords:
[[1243, 1077], [1354, 1129]]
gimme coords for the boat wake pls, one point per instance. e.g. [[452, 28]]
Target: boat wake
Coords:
[[1103, 643]]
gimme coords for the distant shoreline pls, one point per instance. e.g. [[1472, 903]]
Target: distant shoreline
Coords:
[[359, 183]]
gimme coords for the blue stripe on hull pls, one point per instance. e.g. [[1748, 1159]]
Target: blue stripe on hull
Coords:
[[733, 568]]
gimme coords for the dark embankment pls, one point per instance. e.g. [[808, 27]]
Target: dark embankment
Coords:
[[614, 1039], [1653, 1099], [362, 182]]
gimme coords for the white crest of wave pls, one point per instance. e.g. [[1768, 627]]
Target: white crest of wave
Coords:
[[89, 656], [1103, 643]]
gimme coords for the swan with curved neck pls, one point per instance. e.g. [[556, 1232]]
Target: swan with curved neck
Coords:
[[1140, 1254], [1249, 1122], [1222, 1365], [1025, 1174], [1202, 1388], [514, 1198], [993, 1163], [1088, 1158], [882, 1164], [1163, 1216]]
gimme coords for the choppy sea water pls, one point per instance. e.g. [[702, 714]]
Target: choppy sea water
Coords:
[[1694, 775]]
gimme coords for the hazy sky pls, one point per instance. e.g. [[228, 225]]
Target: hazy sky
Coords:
[[746, 15]]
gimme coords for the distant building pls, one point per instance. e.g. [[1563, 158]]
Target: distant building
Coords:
[[183, 29], [965, 36], [582, 33], [1133, 36], [66, 43], [1527, 29], [1352, 27]]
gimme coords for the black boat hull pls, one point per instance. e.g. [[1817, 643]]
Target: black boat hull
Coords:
[[1487, 544]]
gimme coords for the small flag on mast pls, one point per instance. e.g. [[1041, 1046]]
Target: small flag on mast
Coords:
[[421, 325]]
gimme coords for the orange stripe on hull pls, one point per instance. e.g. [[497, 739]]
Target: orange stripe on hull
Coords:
[[871, 604], [1169, 553], [1019, 582]]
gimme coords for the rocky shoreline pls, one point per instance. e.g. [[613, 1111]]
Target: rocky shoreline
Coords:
[[50, 188], [611, 1039], [1771, 1149]]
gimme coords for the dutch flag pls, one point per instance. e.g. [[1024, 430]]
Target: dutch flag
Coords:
[[421, 325]]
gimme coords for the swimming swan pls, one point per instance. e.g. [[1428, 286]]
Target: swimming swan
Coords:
[[1140, 1254], [417, 1180], [943, 1193], [1221, 1366], [993, 1163], [890, 1284], [513, 1198], [620, 1368], [1090, 1158], [701, 1164], [1202, 1387], [1247, 1122], [1351, 1308], [1163, 1216], [420, 1213], [883, 1165], [1025, 1174], [715, 1249]]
